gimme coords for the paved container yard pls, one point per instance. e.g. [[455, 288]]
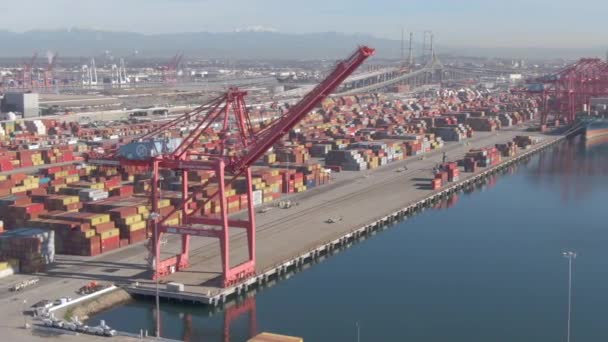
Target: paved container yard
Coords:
[[359, 198]]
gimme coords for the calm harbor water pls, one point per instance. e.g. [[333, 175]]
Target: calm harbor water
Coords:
[[488, 269]]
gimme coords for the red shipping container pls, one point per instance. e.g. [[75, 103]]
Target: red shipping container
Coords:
[[5, 164], [18, 177], [73, 206], [122, 212], [137, 236], [436, 183], [104, 227], [7, 184], [51, 170], [37, 191], [32, 208], [110, 244]]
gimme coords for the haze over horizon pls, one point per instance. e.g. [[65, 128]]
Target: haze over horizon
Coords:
[[516, 24]]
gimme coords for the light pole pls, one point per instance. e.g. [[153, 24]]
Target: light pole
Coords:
[[358, 332], [570, 256], [154, 216], [24, 315]]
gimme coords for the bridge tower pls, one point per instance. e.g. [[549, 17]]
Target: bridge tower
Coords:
[[410, 59]]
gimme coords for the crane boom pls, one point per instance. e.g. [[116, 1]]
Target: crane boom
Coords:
[[271, 134]]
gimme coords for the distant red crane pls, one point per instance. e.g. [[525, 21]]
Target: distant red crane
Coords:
[[567, 91], [27, 80], [169, 71], [240, 145]]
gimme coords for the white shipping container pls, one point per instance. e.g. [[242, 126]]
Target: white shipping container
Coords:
[[258, 197]]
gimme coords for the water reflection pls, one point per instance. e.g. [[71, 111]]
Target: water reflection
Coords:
[[572, 168], [237, 321], [483, 185]]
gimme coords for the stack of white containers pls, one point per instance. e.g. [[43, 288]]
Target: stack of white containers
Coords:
[[349, 160], [257, 197], [88, 195], [36, 127]]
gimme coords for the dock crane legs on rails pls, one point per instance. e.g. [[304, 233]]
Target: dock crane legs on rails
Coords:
[[240, 145], [566, 91]]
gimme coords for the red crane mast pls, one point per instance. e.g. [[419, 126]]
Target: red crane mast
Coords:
[[240, 145], [27, 81], [169, 71]]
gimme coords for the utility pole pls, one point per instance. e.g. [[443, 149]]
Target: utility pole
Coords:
[[570, 256], [24, 315], [154, 216], [358, 332]]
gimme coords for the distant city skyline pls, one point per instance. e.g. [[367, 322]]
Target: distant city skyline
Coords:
[[516, 23]]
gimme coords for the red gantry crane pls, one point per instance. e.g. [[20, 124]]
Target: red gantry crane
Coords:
[[568, 90], [169, 71], [27, 80], [48, 73], [239, 147]]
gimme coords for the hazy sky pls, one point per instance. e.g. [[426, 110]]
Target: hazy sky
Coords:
[[539, 23]]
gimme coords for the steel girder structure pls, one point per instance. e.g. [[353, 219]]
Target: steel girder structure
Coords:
[[239, 146], [567, 91]]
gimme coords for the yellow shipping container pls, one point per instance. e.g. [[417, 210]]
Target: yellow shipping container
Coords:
[[164, 203], [131, 219], [137, 226], [17, 189], [55, 188], [72, 178], [87, 233], [99, 219], [110, 233], [31, 186], [70, 199], [97, 186], [268, 337]]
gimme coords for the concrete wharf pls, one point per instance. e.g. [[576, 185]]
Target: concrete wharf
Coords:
[[369, 202]]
